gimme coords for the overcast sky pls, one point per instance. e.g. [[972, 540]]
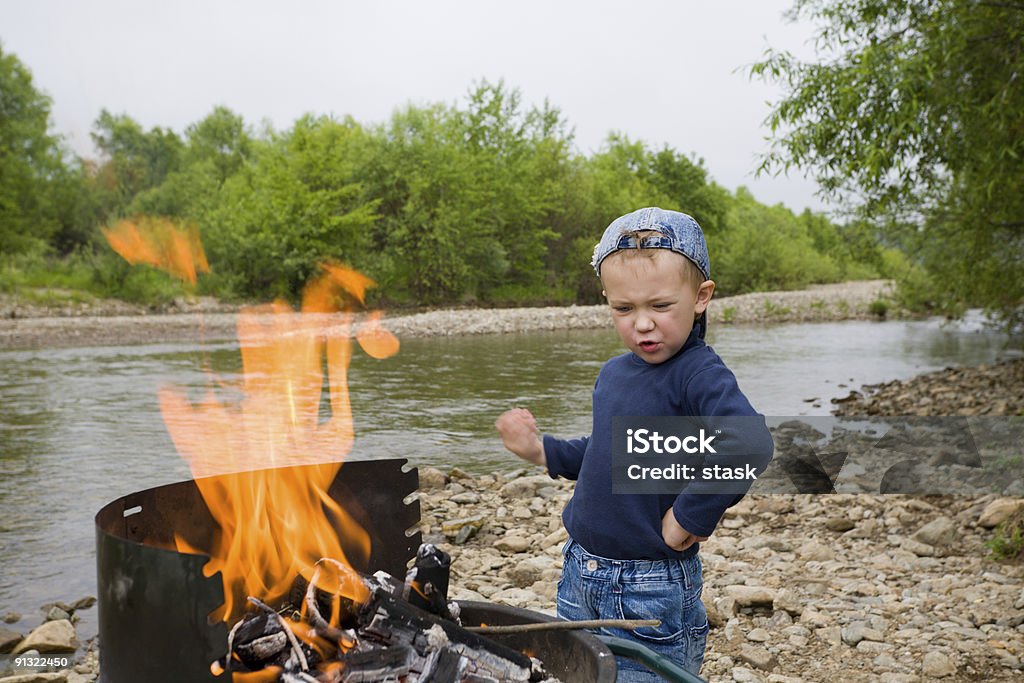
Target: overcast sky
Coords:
[[660, 71]]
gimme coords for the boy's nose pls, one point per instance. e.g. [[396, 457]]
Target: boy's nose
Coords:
[[644, 323]]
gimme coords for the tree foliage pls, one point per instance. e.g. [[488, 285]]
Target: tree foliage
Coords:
[[30, 160], [914, 113], [484, 200]]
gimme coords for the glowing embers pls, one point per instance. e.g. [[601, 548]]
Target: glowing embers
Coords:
[[332, 639]]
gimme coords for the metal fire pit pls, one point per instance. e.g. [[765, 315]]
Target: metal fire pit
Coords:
[[154, 602]]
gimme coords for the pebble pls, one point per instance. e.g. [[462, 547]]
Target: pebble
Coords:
[[998, 511], [749, 596], [938, 532], [51, 637], [937, 665]]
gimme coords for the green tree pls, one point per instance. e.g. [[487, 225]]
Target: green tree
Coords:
[[220, 139], [134, 160], [30, 159], [763, 248], [468, 197], [915, 114], [296, 204]]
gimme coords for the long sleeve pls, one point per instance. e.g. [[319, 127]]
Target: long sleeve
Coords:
[[743, 440], [564, 457]]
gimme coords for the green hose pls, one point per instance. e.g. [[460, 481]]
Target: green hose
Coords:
[[663, 666]]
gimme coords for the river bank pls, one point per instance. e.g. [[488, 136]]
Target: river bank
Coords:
[[117, 323], [799, 588]]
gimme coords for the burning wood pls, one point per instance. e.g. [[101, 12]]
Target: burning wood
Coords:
[[389, 637]]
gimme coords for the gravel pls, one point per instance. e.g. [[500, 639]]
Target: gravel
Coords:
[[117, 323]]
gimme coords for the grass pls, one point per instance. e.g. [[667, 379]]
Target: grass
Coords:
[[773, 309], [1007, 542], [41, 280], [728, 314], [879, 308]]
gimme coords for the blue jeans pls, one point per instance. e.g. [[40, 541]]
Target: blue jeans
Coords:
[[594, 587]]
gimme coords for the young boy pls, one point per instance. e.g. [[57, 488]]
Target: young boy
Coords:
[[634, 555]]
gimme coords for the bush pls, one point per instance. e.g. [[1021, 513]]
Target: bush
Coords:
[[1007, 542]]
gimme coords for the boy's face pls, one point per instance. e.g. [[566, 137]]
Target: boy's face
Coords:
[[653, 303]]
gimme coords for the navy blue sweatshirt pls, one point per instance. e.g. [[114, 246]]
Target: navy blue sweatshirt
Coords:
[[694, 382]]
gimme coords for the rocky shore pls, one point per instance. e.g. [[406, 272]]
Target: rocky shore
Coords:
[[887, 589], [798, 588], [996, 389], [116, 323]]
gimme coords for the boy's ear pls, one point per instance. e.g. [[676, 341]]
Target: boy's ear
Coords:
[[704, 294]]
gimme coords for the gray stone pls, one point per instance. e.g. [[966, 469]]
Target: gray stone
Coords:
[[512, 544], [465, 498], [998, 511], [517, 597], [11, 617], [839, 524], [721, 610], [743, 675], [917, 547], [525, 574], [556, 537], [788, 600], [8, 639], [871, 647], [759, 635], [831, 635], [51, 637], [765, 541], [854, 633], [756, 656], [937, 664], [56, 613], [522, 512], [51, 677], [465, 533], [451, 527], [940, 531], [750, 596], [525, 487], [814, 551], [83, 603], [893, 677]]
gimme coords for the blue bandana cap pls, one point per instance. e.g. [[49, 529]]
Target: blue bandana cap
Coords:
[[676, 231]]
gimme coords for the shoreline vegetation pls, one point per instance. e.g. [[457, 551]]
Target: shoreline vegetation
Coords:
[[110, 322]]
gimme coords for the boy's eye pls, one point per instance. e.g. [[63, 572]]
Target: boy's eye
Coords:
[[662, 306], [621, 309]]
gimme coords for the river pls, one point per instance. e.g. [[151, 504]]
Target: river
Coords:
[[80, 427]]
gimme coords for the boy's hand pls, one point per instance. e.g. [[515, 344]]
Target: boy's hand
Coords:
[[676, 537], [519, 433]]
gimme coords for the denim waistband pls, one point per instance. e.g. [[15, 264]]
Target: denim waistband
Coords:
[[595, 567]]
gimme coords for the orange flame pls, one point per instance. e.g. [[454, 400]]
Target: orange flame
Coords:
[[272, 526], [159, 242]]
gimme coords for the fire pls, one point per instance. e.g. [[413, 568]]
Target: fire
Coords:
[[273, 526], [161, 243]]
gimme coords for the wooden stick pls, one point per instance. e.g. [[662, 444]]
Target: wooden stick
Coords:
[[628, 624]]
